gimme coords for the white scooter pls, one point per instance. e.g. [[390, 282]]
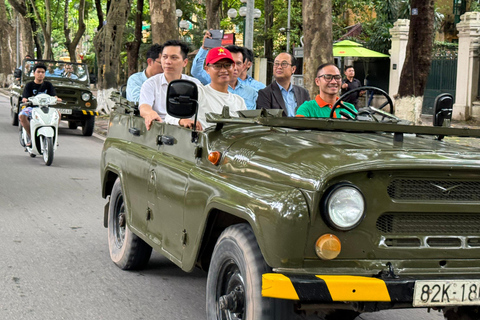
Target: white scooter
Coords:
[[43, 128]]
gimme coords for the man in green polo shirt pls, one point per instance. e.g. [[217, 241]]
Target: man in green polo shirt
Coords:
[[329, 81]]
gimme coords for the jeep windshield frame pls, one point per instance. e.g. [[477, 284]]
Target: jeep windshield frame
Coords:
[[56, 71], [328, 124]]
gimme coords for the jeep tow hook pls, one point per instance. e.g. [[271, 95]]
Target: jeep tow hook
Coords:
[[233, 302]]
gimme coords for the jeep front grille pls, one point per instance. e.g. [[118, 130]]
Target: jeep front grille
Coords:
[[434, 190], [429, 224]]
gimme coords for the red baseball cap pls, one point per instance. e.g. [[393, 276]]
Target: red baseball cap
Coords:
[[217, 54]]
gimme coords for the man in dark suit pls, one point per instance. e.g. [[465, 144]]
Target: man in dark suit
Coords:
[[282, 93]]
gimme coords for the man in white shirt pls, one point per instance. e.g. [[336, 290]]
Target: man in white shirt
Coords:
[[219, 64], [153, 94], [154, 66]]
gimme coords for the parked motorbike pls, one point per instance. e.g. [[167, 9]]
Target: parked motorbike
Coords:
[[43, 128]]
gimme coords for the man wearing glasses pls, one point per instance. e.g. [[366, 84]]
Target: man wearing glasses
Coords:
[[219, 65], [282, 93], [154, 66], [328, 80]]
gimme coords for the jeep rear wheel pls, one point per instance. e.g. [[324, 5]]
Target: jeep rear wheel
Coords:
[[88, 126], [127, 250]]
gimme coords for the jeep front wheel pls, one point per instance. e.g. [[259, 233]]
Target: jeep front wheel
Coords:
[[88, 126], [127, 250], [234, 279]]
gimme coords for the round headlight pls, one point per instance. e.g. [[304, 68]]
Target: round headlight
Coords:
[[85, 96], [345, 207]]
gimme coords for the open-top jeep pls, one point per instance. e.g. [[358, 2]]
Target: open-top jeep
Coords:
[[72, 85], [297, 217]]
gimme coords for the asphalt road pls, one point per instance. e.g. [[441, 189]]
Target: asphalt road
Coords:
[[54, 261]]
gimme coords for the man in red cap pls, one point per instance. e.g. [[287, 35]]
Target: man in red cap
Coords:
[[219, 65]]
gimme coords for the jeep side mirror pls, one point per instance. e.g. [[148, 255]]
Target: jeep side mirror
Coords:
[[182, 96]]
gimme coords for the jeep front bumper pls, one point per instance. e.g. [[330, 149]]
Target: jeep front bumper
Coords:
[[319, 288], [413, 291]]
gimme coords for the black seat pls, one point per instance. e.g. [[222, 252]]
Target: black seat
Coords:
[[442, 110]]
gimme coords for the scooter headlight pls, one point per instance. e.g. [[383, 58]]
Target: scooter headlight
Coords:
[[86, 96], [344, 207]]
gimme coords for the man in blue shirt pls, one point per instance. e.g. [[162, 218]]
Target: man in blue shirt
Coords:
[[244, 77], [248, 93], [199, 73], [154, 66]]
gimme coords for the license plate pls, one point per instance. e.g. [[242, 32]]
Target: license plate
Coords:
[[432, 293], [65, 111]]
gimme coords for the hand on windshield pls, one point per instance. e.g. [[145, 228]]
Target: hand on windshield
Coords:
[[151, 116], [188, 123]]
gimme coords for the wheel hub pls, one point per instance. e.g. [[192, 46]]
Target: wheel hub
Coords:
[[121, 220], [234, 301]]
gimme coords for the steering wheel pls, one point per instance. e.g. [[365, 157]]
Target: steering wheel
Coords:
[[370, 110]]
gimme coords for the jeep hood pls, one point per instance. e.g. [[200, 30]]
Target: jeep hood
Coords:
[[306, 159]]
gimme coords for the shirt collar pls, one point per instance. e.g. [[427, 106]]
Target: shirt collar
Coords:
[[321, 103], [289, 89]]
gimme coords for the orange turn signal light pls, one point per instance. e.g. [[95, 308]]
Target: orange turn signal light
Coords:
[[328, 247], [88, 104], [214, 157]]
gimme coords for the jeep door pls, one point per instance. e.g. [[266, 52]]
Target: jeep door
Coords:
[[137, 157], [170, 169]]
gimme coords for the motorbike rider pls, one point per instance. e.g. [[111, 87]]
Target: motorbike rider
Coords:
[[32, 88]]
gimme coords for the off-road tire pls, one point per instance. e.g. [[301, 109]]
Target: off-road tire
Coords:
[[88, 126], [127, 250], [238, 261]]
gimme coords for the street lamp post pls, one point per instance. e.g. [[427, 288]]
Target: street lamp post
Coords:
[[178, 14], [183, 26]]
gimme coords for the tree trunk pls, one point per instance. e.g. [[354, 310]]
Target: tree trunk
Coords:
[[108, 46], [413, 79], [6, 54], [134, 46], [268, 8], [164, 21], [317, 26], [46, 27], [26, 37], [72, 45], [98, 5], [213, 18]]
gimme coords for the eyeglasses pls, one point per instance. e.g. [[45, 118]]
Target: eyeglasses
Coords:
[[219, 66], [329, 77], [159, 62], [284, 64]]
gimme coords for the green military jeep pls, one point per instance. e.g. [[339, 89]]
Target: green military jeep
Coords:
[[295, 218], [72, 84]]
